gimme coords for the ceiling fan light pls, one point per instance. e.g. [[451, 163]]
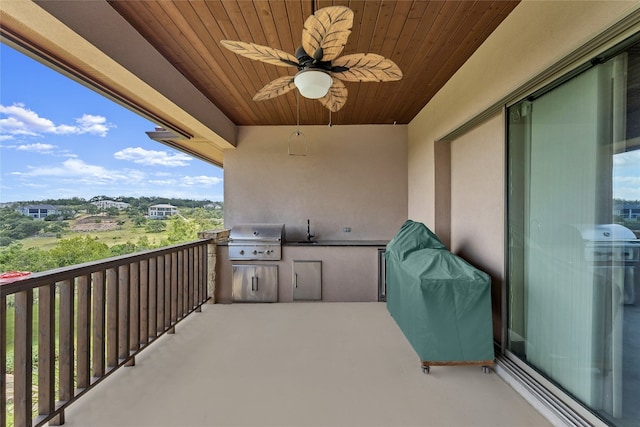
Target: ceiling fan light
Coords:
[[313, 84]]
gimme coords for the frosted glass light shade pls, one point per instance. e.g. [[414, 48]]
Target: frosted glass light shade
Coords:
[[313, 84]]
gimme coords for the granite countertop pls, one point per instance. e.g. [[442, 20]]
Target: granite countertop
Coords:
[[340, 243], [373, 243]]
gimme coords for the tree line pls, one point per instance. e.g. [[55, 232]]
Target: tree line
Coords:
[[72, 249]]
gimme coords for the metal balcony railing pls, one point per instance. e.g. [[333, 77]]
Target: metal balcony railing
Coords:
[[75, 325]]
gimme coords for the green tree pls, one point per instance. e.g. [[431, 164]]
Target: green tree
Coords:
[[155, 226], [181, 229], [16, 226], [123, 249], [15, 258], [139, 220], [113, 211], [92, 209], [77, 250]]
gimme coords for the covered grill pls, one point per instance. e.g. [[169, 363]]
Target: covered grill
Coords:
[[256, 242]]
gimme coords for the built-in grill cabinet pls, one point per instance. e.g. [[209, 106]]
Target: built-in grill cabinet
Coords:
[[255, 283], [255, 242]]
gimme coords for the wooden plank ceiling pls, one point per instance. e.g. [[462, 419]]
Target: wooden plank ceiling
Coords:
[[429, 40]]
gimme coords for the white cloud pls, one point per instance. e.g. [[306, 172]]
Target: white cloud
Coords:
[[629, 158], [20, 121], [200, 180], [39, 148], [94, 124], [163, 182], [626, 187], [153, 158], [83, 173]]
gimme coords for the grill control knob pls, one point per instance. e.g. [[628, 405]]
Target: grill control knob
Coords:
[[241, 251], [255, 252]]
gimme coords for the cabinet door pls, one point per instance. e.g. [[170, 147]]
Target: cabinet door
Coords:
[[307, 280], [255, 283]]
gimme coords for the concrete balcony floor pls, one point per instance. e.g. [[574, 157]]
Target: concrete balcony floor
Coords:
[[296, 364]]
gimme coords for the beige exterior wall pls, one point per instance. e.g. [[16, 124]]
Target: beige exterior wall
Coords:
[[477, 196], [477, 204], [353, 176], [534, 37]]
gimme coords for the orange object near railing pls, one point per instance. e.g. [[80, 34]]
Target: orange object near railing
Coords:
[[10, 276], [106, 312]]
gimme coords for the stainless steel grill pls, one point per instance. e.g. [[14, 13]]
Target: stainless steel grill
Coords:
[[256, 242], [614, 253]]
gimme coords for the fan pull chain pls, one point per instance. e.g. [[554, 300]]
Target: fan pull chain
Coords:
[[297, 138], [298, 112], [330, 124]]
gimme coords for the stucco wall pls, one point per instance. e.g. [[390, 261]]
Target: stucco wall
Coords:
[[477, 204], [354, 176], [535, 36]]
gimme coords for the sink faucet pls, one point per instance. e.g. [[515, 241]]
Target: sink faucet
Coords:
[[309, 235]]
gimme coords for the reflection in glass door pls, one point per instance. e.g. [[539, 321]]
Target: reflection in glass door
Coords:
[[574, 259]]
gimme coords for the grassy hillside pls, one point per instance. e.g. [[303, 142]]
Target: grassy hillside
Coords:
[[108, 230]]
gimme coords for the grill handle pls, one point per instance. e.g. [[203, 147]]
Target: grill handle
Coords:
[[254, 283], [295, 280]]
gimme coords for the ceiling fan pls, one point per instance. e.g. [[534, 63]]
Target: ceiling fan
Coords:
[[320, 69]]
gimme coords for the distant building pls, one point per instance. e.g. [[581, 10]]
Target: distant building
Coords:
[[214, 205], [106, 204], [627, 210], [161, 211], [38, 211]]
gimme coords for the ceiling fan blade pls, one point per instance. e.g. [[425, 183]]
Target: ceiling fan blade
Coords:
[[261, 53], [326, 32], [277, 87], [336, 97], [366, 67]]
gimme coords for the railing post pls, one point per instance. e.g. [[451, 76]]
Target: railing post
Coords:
[[84, 331], [22, 352], [144, 302], [66, 340], [214, 237], [112, 318], [134, 310], [153, 298], [211, 270], [160, 294], [166, 322], [174, 288], [123, 313], [99, 322], [46, 349]]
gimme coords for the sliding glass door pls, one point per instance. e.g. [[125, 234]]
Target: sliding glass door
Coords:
[[574, 260]]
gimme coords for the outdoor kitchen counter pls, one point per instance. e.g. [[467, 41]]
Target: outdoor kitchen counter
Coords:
[[340, 243], [379, 243], [350, 269]]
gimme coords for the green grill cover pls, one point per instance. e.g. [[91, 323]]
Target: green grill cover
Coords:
[[440, 302]]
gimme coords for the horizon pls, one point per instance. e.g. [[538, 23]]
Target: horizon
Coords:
[[48, 201], [60, 140]]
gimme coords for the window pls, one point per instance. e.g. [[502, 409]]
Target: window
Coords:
[[573, 251]]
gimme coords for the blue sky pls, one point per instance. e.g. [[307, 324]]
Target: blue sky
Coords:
[[59, 139]]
